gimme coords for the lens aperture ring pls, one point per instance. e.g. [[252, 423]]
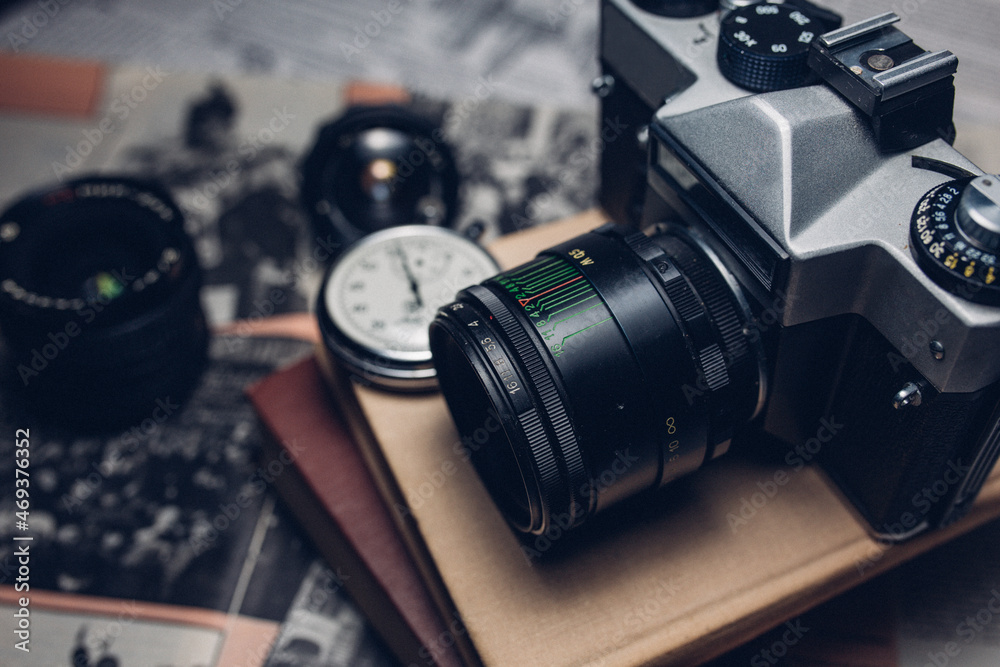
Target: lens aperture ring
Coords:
[[714, 293], [681, 295], [728, 368], [581, 499], [688, 304]]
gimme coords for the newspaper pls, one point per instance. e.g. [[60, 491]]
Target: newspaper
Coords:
[[178, 512], [528, 51]]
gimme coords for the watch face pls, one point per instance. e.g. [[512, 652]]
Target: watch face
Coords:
[[382, 294]]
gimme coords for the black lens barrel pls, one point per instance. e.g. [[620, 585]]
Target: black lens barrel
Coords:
[[100, 308], [610, 364]]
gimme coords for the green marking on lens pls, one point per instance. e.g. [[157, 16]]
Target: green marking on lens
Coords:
[[550, 287], [579, 312], [542, 274], [108, 287], [547, 284], [568, 336], [549, 278], [568, 297]]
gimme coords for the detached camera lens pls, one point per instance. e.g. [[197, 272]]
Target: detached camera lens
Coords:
[[99, 304], [610, 364], [678, 8], [378, 167]]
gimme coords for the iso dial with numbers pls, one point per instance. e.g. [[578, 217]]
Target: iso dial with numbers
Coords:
[[381, 295], [765, 46]]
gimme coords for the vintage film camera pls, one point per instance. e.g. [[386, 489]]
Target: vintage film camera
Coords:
[[817, 272]]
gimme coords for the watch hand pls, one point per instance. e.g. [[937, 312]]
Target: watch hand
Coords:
[[414, 285]]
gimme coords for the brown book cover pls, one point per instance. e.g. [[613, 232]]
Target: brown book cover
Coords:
[[46, 85], [331, 491]]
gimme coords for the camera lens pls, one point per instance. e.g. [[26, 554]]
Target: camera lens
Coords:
[[99, 303], [610, 364], [377, 167], [678, 8]]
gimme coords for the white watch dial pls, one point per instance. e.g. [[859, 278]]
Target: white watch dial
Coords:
[[384, 292]]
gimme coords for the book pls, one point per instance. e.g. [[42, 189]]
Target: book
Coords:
[[330, 490], [673, 583], [854, 629]]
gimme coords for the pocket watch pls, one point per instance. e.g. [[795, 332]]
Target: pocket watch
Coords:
[[379, 297]]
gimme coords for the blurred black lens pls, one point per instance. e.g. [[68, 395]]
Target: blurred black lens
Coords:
[[610, 364], [678, 8], [378, 167], [99, 303]]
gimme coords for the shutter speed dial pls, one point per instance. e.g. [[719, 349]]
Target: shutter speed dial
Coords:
[[955, 235], [765, 47]]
